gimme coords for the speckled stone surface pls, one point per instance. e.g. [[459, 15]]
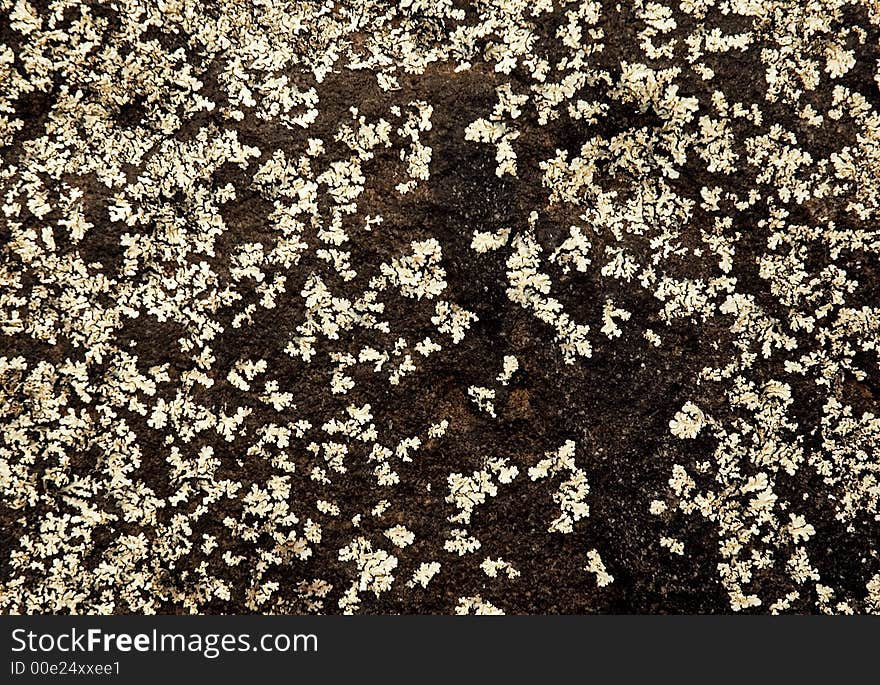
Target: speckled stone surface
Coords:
[[435, 307]]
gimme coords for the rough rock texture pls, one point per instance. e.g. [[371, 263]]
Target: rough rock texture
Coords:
[[439, 306]]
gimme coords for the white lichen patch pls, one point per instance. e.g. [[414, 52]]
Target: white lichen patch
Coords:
[[572, 491], [595, 566], [688, 422]]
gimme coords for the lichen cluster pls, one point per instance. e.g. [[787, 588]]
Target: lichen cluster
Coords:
[[439, 306]]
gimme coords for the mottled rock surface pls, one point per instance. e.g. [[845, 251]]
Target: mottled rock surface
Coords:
[[439, 306]]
